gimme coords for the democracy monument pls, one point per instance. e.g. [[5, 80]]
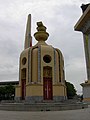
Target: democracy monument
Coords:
[[41, 69], [41, 84], [83, 25]]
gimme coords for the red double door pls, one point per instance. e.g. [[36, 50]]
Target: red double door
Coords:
[[23, 89], [47, 89]]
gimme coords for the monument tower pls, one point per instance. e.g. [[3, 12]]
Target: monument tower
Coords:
[[83, 25], [41, 69]]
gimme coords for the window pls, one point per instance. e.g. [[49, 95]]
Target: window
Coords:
[[47, 58], [24, 61]]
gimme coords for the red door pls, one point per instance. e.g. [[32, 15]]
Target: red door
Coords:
[[47, 88], [23, 89]]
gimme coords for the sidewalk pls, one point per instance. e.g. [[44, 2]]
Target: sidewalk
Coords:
[[83, 114]]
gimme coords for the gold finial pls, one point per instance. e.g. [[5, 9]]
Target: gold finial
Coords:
[[41, 34], [41, 27]]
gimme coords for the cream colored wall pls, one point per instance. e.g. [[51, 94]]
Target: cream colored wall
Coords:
[[61, 66], [37, 90], [59, 90], [24, 54], [34, 90], [33, 66], [18, 91]]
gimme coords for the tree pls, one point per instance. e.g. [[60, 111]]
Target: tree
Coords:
[[7, 92], [71, 91]]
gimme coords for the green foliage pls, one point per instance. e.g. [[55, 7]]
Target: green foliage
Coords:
[[7, 92], [71, 92]]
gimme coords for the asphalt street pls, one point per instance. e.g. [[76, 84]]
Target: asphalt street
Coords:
[[83, 114]]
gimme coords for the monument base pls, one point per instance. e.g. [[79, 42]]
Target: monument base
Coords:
[[39, 99], [86, 91], [42, 106]]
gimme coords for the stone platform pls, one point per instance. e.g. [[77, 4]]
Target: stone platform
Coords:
[[42, 106]]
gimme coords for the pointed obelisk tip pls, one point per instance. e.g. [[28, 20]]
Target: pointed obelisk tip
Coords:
[[29, 15], [28, 38]]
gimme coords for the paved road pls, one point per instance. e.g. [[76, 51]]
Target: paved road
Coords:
[[83, 114]]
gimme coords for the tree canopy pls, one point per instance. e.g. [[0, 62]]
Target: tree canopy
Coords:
[[71, 91], [7, 92]]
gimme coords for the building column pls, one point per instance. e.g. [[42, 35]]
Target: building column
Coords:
[[83, 25], [86, 39]]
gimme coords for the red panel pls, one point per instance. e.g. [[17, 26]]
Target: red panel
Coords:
[[23, 89], [47, 88]]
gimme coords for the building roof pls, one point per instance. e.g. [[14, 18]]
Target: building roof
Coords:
[[85, 16], [9, 82]]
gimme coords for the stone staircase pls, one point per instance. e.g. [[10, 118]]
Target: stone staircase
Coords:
[[44, 106]]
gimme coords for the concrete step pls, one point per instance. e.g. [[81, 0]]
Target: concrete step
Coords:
[[41, 106]]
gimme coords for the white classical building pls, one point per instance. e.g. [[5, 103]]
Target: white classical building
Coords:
[[83, 25]]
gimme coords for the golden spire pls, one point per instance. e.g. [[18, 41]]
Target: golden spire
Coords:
[[41, 34]]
